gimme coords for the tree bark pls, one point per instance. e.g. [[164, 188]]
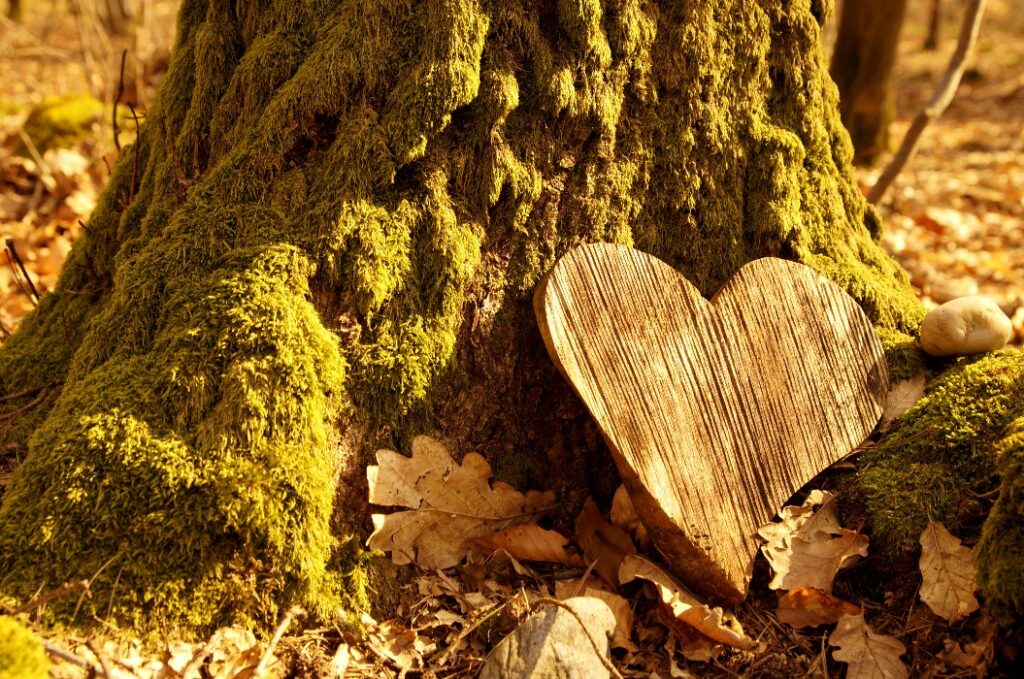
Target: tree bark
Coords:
[[326, 240], [862, 62]]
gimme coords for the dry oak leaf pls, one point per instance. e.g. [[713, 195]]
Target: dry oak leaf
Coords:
[[530, 542], [948, 574], [686, 608], [809, 547], [593, 587], [450, 504], [602, 542], [902, 396], [811, 607], [869, 655]]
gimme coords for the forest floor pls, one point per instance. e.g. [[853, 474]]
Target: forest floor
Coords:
[[954, 219]]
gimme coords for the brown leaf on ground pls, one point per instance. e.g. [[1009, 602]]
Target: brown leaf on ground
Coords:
[[902, 396], [530, 542], [948, 574], [686, 608], [807, 548], [451, 504], [810, 607], [593, 587], [623, 514], [869, 655], [602, 542]]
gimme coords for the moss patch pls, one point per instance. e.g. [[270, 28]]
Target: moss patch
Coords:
[[21, 653], [943, 462], [61, 122], [405, 157]]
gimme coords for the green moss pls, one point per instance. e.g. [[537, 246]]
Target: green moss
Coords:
[[1000, 554], [21, 653], [61, 122], [903, 355], [945, 453]]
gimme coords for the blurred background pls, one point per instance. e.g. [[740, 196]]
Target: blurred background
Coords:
[[954, 217]]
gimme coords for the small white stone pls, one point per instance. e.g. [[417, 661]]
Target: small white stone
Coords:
[[965, 326]]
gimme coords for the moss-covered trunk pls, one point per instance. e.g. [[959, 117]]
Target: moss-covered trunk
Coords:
[[326, 240]]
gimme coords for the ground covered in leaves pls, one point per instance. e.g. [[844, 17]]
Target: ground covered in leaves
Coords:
[[821, 600]]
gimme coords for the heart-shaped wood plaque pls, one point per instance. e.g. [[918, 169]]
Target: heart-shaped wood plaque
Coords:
[[716, 412]]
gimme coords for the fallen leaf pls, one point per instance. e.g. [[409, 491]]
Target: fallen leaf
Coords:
[[399, 644], [623, 514], [948, 574], [592, 587], [807, 548], [803, 519], [869, 655], [451, 504], [694, 646], [810, 607], [902, 396], [530, 542], [602, 542], [713, 623]]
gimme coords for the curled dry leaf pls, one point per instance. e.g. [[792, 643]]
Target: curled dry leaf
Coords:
[[901, 398], [810, 607], [623, 514], [450, 504], [807, 548], [948, 574], [686, 608], [869, 655], [593, 587], [530, 542], [602, 542]]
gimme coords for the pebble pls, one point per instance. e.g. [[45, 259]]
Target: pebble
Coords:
[[965, 326], [553, 642]]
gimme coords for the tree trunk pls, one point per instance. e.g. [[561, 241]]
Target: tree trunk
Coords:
[[865, 51], [326, 241], [931, 40]]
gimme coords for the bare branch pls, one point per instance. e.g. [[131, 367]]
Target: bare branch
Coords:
[[938, 103]]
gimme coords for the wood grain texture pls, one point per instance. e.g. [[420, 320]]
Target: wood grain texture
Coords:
[[716, 412]]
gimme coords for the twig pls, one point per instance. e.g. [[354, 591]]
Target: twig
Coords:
[[15, 258], [67, 656], [31, 391], [44, 599], [25, 408], [103, 663], [441, 657], [135, 154], [938, 103], [282, 627], [117, 100]]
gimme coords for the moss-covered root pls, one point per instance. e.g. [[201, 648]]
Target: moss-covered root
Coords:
[[949, 453], [21, 653], [192, 483], [1000, 554]]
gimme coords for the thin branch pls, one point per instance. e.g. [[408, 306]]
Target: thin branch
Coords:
[[31, 391], [117, 100], [938, 103], [282, 627], [51, 595], [15, 258]]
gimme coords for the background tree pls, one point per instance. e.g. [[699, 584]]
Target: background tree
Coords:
[[862, 61], [326, 240]]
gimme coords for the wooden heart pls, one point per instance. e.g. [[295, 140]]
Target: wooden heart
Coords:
[[716, 412]]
